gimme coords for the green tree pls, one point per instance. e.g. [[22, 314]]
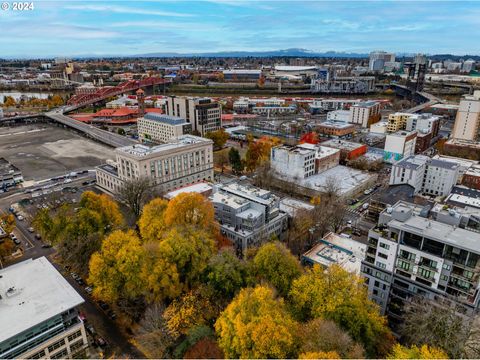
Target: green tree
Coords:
[[226, 273], [337, 295], [235, 161], [115, 271], [274, 263], [219, 138], [256, 325]]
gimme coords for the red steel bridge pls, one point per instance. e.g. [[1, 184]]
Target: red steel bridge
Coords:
[[108, 91]]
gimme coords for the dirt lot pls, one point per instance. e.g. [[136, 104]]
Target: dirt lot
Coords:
[[42, 151]]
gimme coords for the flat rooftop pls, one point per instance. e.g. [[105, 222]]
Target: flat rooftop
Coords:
[[109, 168], [412, 162], [346, 178], [342, 144], [336, 124], [291, 206], [31, 292], [139, 150], [445, 233], [200, 188], [166, 119], [340, 250]]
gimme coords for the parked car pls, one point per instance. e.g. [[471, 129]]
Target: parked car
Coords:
[[74, 276], [38, 237], [90, 329], [46, 246], [111, 315], [365, 206], [103, 305], [368, 192], [89, 290], [31, 229], [20, 217], [80, 281], [100, 342], [66, 181]]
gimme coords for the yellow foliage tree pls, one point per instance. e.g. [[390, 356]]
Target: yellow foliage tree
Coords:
[[115, 270], [340, 296], [190, 249], [415, 352], [259, 151], [159, 275], [190, 209], [151, 223], [105, 206], [320, 355], [256, 325]]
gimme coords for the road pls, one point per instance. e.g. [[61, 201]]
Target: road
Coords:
[[103, 136], [119, 347]]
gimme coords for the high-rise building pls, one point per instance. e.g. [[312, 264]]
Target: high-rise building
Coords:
[[204, 114], [467, 122], [180, 162], [411, 255], [365, 113], [399, 145], [378, 59], [161, 128], [38, 313]]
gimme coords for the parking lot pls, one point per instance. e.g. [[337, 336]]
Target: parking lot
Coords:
[[41, 151]]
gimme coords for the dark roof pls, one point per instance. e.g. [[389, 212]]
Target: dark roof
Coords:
[[395, 193], [171, 120]]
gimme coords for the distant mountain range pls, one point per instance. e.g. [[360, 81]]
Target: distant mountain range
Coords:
[[294, 52]]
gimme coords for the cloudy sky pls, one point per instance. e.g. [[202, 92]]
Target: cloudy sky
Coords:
[[86, 27]]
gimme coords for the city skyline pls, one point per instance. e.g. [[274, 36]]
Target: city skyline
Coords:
[[119, 28]]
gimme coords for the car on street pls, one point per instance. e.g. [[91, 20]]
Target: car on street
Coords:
[[20, 217], [66, 181], [368, 192], [99, 341], [31, 229], [46, 246], [38, 237], [89, 290]]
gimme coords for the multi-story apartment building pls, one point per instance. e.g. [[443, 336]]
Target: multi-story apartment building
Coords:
[[248, 215], [335, 104], [399, 145], [183, 161], [397, 121], [38, 313], [204, 114], [467, 122], [411, 255], [161, 128], [432, 176], [304, 160], [365, 113]]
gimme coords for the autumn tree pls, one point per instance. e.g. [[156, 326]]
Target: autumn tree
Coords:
[[334, 294], [6, 248], [319, 335], [159, 275], [259, 151], [9, 101], [235, 161], [434, 323], [105, 207], [219, 138], [226, 273], [193, 309], [115, 269], [190, 209], [206, 348], [414, 352], [320, 355], [299, 237], [275, 264], [256, 325], [189, 249], [220, 159], [151, 223]]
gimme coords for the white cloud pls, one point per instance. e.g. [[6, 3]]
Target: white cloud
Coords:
[[125, 10]]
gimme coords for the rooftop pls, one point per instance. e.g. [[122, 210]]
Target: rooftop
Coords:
[[337, 124], [200, 188], [342, 144], [171, 120], [109, 168], [144, 150], [340, 250], [294, 68], [435, 230], [31, 292], [413, 162], [291, 206]]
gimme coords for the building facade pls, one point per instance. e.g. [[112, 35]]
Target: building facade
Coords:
[[183, 161], [41, 308], [467, 122], [399, 145], [161, 128], [365, 113], [203, 114], [411, 255]]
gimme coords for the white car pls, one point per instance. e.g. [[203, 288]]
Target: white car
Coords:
[[66, 181]]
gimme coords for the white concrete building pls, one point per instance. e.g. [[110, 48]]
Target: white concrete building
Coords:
[[304, 160], [365, 113], [335, 104], [431, 176], [161, 128], [467, 122], [203, 114], [38, 313], [379, 127], [180, 162], [248, 215], [399, 145], [339, 115]]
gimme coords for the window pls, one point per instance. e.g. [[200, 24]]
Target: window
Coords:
[[404, 265], [60, 355], [426, 274], [74, 335], [385, 246], [412, 240], [433, 247], [383, 256], [56, 345], [381, 265]]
